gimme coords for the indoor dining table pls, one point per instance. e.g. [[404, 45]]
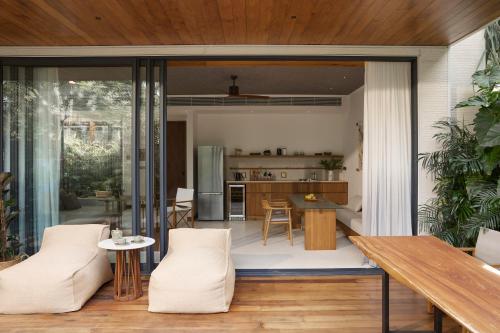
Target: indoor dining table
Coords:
[[320, 221]]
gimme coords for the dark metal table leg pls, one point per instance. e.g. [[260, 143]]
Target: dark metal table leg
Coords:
[[385, 302], [438, 320], [438, 314]]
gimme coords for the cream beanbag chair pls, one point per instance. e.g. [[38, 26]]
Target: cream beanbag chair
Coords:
[[62, 276], [196, 276]]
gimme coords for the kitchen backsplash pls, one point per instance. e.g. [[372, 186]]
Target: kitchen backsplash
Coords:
[[269, 165]]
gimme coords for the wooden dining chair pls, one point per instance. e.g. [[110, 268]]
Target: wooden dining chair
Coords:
[[487, 250], [277, 213]]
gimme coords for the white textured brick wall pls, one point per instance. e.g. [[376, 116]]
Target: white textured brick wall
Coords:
[[433, 105], [464, 58]]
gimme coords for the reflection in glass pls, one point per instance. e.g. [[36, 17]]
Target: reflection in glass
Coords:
[[68, 146], [155, 159]]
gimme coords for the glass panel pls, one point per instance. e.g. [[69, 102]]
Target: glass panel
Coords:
[[144, 162], [69, 146], [156, 159], [142, 153]]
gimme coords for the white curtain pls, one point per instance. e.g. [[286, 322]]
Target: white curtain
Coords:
[[387, 149], [46, 150]]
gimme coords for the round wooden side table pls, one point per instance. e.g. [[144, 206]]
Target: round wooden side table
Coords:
[[127, 284]]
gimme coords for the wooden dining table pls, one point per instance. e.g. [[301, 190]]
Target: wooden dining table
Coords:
[[459, 285], [320, 221]]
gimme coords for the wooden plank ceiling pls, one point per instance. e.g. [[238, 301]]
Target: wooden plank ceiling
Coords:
[[212, 22]]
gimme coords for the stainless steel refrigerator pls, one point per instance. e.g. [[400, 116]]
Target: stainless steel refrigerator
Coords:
[[210, 183]]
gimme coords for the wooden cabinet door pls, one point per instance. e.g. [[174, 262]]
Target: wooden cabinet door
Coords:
[[279, 196], [260, 212], [258, 187], [250, 188], [282, 188], [338, 198], [315, 188], [309, 187], [303, 188], [334, 187], [254, 204], [250, 203]]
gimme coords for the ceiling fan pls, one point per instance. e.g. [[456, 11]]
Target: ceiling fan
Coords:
[[234, 90]]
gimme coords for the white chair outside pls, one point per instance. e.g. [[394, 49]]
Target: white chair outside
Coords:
[[488, 247], [181, 208]]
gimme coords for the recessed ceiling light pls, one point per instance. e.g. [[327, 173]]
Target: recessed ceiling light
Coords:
[[71, 82]]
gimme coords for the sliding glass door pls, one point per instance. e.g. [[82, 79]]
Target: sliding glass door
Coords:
[[84, 144], [148, 123], [152, 162], [67, 141]]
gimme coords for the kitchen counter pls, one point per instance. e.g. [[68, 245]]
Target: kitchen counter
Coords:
[[284, 181], [280, 190]]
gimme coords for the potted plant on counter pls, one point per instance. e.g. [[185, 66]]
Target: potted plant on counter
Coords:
[[9, 244], [331, 165]]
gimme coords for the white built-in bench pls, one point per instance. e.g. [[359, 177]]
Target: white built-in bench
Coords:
[[350, 218]]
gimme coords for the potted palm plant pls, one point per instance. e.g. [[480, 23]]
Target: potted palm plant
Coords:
[[332, 165], [9, 244]]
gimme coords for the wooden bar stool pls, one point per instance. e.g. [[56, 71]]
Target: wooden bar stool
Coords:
[[277, 213]]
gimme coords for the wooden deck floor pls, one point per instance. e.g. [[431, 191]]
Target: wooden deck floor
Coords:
[[347, 304]]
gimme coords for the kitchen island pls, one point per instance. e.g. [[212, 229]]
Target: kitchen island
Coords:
[[320, 221]]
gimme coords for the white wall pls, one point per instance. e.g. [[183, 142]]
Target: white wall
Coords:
[[433, 105], [355, 116], [307, 132], [464, 58], [301, 129]]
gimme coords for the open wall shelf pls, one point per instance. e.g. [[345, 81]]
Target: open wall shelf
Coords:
[[286, 156], [277, 168]]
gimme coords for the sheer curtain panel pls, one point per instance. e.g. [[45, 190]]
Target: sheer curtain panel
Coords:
[[387, 149], [46, 149]]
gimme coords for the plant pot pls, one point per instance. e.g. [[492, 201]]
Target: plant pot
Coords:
[[330, 175], [7, 264]]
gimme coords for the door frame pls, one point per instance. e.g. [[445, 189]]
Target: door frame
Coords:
[[413, 60]]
